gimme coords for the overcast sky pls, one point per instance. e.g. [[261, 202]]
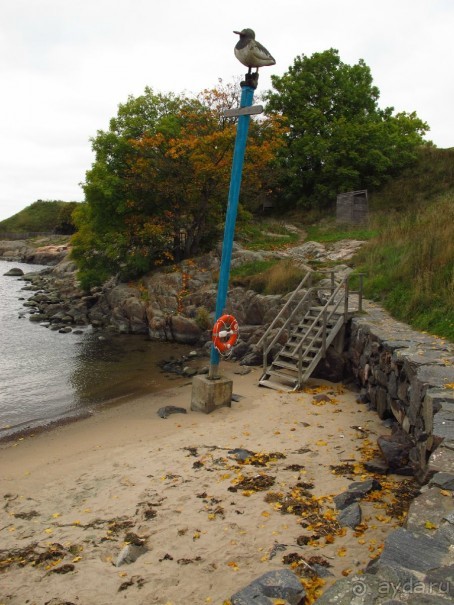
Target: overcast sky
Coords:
[[66, 65]]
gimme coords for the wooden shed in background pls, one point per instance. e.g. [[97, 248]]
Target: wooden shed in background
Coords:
[[352, 207]]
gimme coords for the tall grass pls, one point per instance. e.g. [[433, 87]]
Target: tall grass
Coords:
[[410, 265], [268, 277]]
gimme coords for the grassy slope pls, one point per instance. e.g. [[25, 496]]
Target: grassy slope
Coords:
[[410, 263], [39, 216], [409, 257]]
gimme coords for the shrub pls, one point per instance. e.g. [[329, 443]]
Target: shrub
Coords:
[[203, 319]]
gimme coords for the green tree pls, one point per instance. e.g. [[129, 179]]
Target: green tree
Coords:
[[337, 138], [108, 241], [65, 223], [158, 186]]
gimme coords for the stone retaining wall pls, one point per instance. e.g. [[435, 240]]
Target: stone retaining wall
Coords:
[[409, 376], [406, 375]]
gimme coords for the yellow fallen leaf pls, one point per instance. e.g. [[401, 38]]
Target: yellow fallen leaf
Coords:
[[321, 443], [233, 565], [330, 514], [383, 518], [446, 492], [122, 574], [48, 530], [346, 572], [76, 522], [430, 525], [265, 513], [55, 515], [211, 516], [248, 492], [77, 559], [342, 552], [196, 535]]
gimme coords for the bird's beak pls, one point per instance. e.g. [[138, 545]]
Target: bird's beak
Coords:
[[239, 33]]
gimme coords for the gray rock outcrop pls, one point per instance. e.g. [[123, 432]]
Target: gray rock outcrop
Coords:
[[273, 585]]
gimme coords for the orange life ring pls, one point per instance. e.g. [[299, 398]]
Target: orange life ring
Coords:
[[225, 333]]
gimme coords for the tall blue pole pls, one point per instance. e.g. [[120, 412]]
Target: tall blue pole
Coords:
[[247, 96]]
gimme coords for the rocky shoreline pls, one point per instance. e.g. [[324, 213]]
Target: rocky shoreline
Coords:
[[174, 306], [22, 251]]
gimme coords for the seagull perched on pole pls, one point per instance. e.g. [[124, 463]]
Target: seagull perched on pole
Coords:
[[251, 53]]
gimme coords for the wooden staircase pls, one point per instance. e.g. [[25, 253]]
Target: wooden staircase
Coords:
[[312, 327]]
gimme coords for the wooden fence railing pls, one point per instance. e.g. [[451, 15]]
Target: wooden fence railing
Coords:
[[15, 236]]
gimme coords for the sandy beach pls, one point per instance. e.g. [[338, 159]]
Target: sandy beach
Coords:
[[80, 502]]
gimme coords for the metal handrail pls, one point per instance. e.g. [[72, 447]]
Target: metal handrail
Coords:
[[323, 310], [327, 310], [263, 339], [287, 304], [267, 348]]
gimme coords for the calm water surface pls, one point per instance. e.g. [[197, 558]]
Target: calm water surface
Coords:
[[46, 376]]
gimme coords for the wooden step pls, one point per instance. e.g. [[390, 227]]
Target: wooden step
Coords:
[[289, 351], [284, 364], [285, 357], [277, 386], [293, 341], [318, 324], [283, 376]]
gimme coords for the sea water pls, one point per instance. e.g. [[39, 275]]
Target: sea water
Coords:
[[47, 377]]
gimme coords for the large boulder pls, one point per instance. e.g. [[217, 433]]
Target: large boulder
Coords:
[[48, 255], [174, 328], [184, 330], [14, 272], [128, 312], [396, 449], [281, 585], [17, 250]]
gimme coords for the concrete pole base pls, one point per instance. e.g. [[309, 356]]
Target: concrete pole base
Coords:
[[208, 395]]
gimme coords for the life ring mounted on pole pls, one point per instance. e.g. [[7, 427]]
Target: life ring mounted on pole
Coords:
[[225, 334]]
